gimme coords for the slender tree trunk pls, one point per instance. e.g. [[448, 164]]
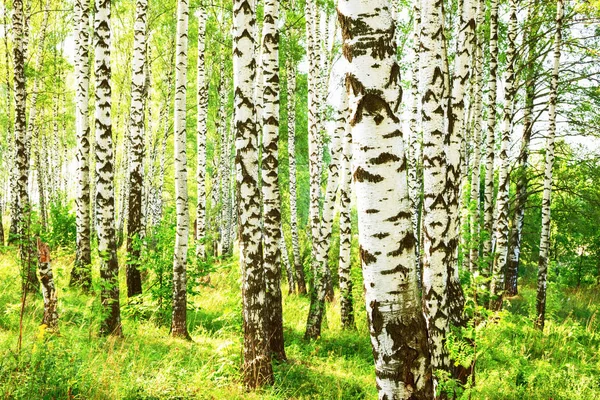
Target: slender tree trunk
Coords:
[[136, 148], [476, 156], [547, 197], [396, 323], [488, 204], [514, 247], [501, 253], [270, 178], [455, 154], [291, 108], [313, 137], [178, 321], [313, 326], [345, 262], [319, 295], [414, 154], [201, 130], [438, 253], [257, 369], [50, 318], [23, 208], [105, 192]]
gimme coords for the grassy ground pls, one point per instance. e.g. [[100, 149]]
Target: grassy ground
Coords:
[[514, 360]]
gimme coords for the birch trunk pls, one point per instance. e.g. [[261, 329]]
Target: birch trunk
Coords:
[[501, 253], [270, 178], [438, 253], [514, 246], [386, 240], [313, 137], [547, 197], [179, 318], [201, 130], [476, 156], [257, 370], [488, 204], [345, 262], [414, 154], [22, 206], [455, 153], [291, 108], [50, 318], [136, 148], [323, 239], [105, 192], [82, 273]]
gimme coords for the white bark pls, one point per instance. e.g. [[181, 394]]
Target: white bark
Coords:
[[386, 239], [178, 322], [201, 130], [501, 253], [547, 196]]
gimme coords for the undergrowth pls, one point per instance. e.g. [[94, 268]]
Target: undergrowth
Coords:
[[513, 360]]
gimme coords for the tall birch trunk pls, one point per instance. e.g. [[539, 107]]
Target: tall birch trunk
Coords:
[[414, 154], [81, 273], [314, 163], [547, 197], [23, 208], [488, 204], [136, 148], [514, 245], [179, 318], [455, 154], [386, 240], [323, 241], [257, 370], [105, 191], [270, 178], [438, 253], [201, 130], [345, 262], [476, 134], [501, 253], [291, 109]]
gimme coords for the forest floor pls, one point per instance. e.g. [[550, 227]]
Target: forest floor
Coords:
[[514, 360]]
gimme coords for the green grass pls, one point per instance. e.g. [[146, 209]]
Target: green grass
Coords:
[[514, 360]]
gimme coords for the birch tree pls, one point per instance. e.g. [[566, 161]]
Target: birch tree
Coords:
[[549, 163], [488, 204], [345, 261], [178, 320], [105, 192], [291, 109], [81, 273], [270, 178], [437, 226], [476, 135], [516, 233], [323, 241], [501, 253], [136, 147], [50, 318], [201, 130], [386, 241], [256, 369]]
